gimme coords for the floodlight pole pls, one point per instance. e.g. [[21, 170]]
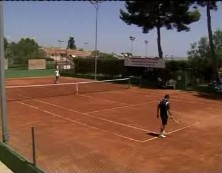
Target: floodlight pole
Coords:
[[2, 80], [96, 50], [96, 4], [60, 43], [146, 42], [132, 39]]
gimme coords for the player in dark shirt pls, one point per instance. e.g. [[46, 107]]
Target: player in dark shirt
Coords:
[[163, 110]]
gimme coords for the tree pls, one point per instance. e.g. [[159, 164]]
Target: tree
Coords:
[[6, 48], [217, 39], [5, 43], [200, 56], [25, 49], [71, 43], [102, 55], [171, 14], [210, 5]]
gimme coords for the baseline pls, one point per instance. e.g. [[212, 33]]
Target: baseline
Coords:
[[176, 130]]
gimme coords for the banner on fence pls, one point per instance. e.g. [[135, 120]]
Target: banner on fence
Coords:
[[145, 62], [36, 64]]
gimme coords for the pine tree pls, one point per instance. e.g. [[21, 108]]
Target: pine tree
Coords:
[[171, 14]]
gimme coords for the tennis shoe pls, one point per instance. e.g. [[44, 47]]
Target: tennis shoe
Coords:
[[162, 136]]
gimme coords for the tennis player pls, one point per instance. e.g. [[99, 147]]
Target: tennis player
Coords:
[[163, 110], [57, 75]]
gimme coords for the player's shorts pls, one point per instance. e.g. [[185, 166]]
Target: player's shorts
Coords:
[[164, 119]]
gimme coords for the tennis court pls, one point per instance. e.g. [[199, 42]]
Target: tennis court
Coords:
[[112, 128]]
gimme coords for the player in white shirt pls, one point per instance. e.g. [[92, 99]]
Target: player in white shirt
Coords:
[[57, 75]]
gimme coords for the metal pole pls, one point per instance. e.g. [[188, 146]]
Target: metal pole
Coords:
[[33, 146], [66, 60], [132, 47], [132, 39], [145, 41], [96, 4], [5, 134], [145, 50], [96, 51]]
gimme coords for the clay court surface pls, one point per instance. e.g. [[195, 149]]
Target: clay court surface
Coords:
[[115, 131]]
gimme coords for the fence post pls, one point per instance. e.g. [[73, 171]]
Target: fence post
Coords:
[[33, 146], [129, 82]]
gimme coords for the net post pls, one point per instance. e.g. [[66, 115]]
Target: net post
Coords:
[[33, 146], [77, 88], [129, 82]]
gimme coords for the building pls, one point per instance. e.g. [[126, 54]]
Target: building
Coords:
[[64, 57], [59, 54]]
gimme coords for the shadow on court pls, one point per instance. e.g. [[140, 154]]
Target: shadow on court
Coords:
[[153, 134]]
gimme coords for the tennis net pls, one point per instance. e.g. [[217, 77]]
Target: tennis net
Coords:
[[15, 93]]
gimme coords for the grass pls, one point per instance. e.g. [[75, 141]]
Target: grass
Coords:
[[15, 73]]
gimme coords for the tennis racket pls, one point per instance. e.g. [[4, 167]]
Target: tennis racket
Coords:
[[174, 119]]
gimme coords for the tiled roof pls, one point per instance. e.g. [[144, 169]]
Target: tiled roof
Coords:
[[69, 52]]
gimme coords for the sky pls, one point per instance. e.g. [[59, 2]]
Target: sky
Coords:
[[50, 21]]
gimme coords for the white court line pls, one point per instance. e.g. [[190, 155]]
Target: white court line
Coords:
[[174, 98], [201, 102], [193, 124], [122, 107], [80, 123], [86, 114], [177, 97], [120, 123], [29, 77], [83, 95], [40, 85]]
